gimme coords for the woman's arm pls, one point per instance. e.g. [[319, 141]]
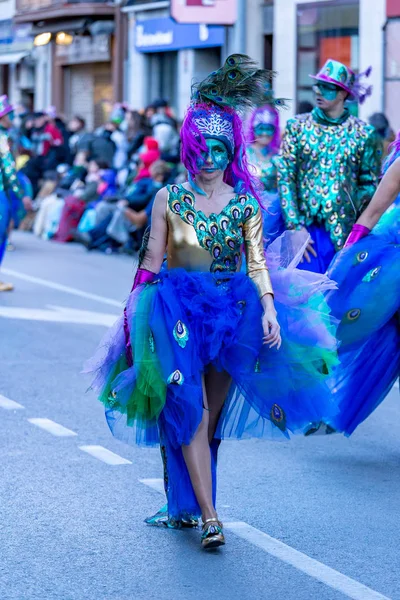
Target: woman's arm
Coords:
[[385, 195], [155, 251], [257, 270]]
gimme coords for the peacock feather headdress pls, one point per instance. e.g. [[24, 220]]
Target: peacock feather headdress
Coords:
[[238, 85]]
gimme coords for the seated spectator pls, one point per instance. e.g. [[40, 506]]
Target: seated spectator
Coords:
[[98, 146], [124, 225], [165, 131], [76, 128]]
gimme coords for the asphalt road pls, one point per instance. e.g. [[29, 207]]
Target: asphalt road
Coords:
[[314, 518]]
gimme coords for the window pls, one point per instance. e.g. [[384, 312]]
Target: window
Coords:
[[325, 32]]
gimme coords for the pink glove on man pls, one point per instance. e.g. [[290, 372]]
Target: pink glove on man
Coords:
[[357, 233]]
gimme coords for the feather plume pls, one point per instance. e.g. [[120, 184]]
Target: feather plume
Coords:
[[239, 84], [143, 248]]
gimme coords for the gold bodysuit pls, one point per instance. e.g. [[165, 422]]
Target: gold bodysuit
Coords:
[[199, 243]]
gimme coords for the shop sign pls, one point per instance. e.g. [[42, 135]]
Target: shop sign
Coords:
[[85, 49], [15, 38], [393, 8], [161, 35], [217, 12]]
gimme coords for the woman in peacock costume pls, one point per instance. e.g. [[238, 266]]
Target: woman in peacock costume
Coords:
[[367, 302], [263, 138], [198, 355]]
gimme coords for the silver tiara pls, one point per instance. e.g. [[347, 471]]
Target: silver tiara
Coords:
[[215, 125]]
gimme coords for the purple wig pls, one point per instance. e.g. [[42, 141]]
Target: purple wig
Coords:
[[274, 120], [237, 173], [394, 153]]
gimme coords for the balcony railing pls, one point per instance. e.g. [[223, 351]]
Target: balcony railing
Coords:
[[31, 5]]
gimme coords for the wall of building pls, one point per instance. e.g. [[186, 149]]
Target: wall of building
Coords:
[[372, 21]]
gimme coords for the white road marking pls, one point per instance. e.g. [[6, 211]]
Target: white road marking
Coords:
[[335, 580], [58, 314], [105, 455], [62, 288], [154, 484], [8, 404], [315, 569], [52, 427]]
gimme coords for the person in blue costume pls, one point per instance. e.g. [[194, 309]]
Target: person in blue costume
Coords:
[[199, 354], [329, 166], [367, 303], [263, 136], [12, 193]]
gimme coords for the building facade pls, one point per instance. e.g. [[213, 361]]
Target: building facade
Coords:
[[78, 65]]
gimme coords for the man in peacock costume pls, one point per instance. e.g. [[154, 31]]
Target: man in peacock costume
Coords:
[[329, 165]]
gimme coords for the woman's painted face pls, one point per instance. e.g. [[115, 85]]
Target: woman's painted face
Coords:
[[264, 132], [216, 158]]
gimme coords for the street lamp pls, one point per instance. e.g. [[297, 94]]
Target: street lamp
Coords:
[[42, 39], [64, 39]]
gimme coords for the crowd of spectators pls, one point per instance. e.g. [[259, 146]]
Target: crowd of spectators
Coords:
[[96, 187]]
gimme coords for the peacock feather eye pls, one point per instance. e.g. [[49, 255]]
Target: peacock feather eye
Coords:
[[202, 226], [278, 417], [371, 275], [176, 378], [181, 334], [233, 74], [214, 91], [176, 207], [217, 250], [231, 61], [361, 257], [189, 216], [189, 199], [352, 315]]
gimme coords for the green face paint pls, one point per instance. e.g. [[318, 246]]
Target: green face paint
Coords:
[[329, 91], [264, 129], [217, 157]]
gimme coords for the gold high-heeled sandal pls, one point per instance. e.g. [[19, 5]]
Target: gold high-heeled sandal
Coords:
[[212, 535]]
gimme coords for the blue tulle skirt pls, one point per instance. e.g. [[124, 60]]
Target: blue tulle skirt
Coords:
[[186, 322], [366, 304]]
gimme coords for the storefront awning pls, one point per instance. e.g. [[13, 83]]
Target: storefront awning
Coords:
[[12, 58]]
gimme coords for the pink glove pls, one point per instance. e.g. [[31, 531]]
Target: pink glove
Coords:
[[357, 233], [142, 276]]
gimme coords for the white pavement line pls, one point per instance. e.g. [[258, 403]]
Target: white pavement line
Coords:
[[52, 427], [62, 288], [154, 484], [105, 455], [335, 580], [9, 404]]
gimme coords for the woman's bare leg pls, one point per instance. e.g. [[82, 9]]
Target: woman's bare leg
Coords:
[[197, 457], [217, 388]]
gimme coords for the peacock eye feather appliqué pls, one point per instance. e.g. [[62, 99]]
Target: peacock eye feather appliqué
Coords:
[[181, 334], [361, 257], [352, 315], [278, 417], [176, 378], [371, 275]]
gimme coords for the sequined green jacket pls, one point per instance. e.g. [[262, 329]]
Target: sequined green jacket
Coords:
[[328, 172], [8, 173]]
